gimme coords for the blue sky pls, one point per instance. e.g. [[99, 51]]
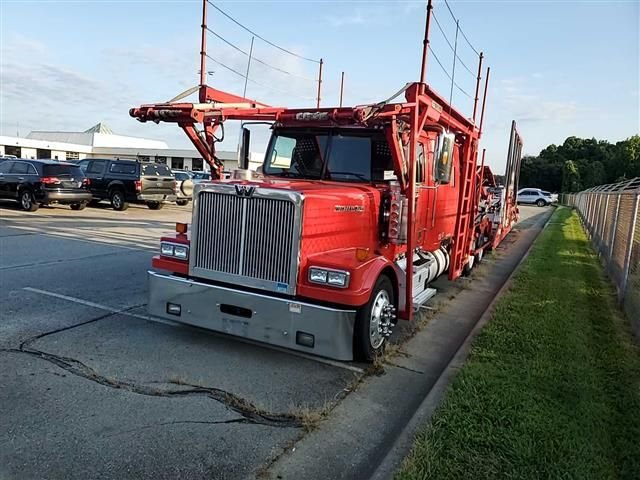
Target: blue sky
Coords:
[[558, 68]]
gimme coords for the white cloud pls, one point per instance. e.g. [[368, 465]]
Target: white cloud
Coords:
[[347, 19], [522, 102]]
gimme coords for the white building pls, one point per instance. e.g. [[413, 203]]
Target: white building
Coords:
[[100, 142]]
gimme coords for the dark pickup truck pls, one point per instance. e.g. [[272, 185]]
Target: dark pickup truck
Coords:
[[128, 181]]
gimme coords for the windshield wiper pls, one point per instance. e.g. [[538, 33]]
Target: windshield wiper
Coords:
[[357, 175]]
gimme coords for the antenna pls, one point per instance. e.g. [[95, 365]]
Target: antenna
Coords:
[[453, 72], [203, 52], [484, 99], [341, 87], [425, 42], [246, 77], [475, 101], [319, 84]]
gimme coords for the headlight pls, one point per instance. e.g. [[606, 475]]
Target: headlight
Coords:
[[317, 276], [334, 278], [339, 279], [166, 249], [180, 252]]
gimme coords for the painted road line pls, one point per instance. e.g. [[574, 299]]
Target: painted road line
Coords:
[[98, 306], [150, 318]]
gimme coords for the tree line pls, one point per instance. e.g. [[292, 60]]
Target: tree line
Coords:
[[581, 163]]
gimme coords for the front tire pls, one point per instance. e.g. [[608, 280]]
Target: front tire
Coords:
[[372, 325], [117, 201], [155, 205], [27, 201], [78, 206], [182, 203], [541, 203]]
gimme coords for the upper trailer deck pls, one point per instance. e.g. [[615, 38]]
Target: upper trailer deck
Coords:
[[224, 106]]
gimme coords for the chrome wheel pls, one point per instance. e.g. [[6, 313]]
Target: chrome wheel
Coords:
[[26, 200], [117, 201], [379, 321]]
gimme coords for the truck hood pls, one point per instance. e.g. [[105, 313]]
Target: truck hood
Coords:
[[336, 215]]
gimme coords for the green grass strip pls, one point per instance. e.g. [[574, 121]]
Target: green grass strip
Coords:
[[551, 388]]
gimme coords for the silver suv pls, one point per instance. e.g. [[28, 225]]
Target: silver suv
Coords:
[[534, 196]]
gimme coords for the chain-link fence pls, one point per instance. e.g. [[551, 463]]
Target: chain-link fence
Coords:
[[611, 216]]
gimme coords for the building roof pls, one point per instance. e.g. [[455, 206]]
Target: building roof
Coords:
[[99, 128]]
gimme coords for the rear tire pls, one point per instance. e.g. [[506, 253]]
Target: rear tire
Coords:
[[480, 255], [471, 262], [541, 203], [117, 200], [78, 206], [27, 201], [182, 203], [155, 205], [368, 340]]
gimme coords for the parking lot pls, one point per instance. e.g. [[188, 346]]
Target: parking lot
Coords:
[[91, 388]]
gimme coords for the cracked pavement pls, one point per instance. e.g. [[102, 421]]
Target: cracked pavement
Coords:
[[90, 388], [89, 393]]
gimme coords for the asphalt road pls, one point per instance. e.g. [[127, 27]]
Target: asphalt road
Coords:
[[90, 388]]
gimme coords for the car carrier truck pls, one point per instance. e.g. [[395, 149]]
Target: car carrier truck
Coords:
[[352, 216]]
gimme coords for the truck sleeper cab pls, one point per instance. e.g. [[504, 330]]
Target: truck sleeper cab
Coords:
[[309, 256]]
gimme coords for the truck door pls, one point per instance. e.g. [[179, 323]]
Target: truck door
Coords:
[[425, 194], [95, 174]]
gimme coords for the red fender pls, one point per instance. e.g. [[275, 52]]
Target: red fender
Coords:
[[363, 276]]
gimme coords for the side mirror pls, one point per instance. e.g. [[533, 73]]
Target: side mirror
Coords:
[[244, 149], [443, 157]]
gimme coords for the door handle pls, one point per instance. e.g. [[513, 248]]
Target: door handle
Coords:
[[20, 178]]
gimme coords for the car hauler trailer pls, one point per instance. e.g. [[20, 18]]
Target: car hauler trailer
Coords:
[[355, 212]]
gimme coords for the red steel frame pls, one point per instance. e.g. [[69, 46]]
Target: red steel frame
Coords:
[[422, 106]]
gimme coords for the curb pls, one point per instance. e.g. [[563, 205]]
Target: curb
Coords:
[[404, 442]]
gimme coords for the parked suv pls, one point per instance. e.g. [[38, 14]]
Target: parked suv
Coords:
[[128, 181], [534, 196], [41, 182]]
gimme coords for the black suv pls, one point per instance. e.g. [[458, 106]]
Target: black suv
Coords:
[[36, 182], [128, 181]]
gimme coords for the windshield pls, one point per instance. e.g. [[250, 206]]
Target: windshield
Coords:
[[334, 155], [156, 169]]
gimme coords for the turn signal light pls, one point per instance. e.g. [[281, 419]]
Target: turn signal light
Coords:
[[182, 227], [362, 254]]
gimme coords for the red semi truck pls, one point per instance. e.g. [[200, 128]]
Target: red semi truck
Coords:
[[353, 214]]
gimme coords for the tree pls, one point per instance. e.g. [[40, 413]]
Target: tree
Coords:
[[571, 178], [592, 162]]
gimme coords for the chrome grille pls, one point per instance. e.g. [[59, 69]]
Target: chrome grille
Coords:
[[252, 238]]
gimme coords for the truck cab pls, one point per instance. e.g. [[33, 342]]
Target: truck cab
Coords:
[[310, 253]]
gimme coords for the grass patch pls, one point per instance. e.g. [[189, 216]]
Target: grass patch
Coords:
[[551, 388]]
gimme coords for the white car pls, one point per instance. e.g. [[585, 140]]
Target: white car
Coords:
[[534, 196]]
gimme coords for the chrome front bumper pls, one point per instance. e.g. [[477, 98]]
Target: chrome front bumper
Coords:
[[276, 321]]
